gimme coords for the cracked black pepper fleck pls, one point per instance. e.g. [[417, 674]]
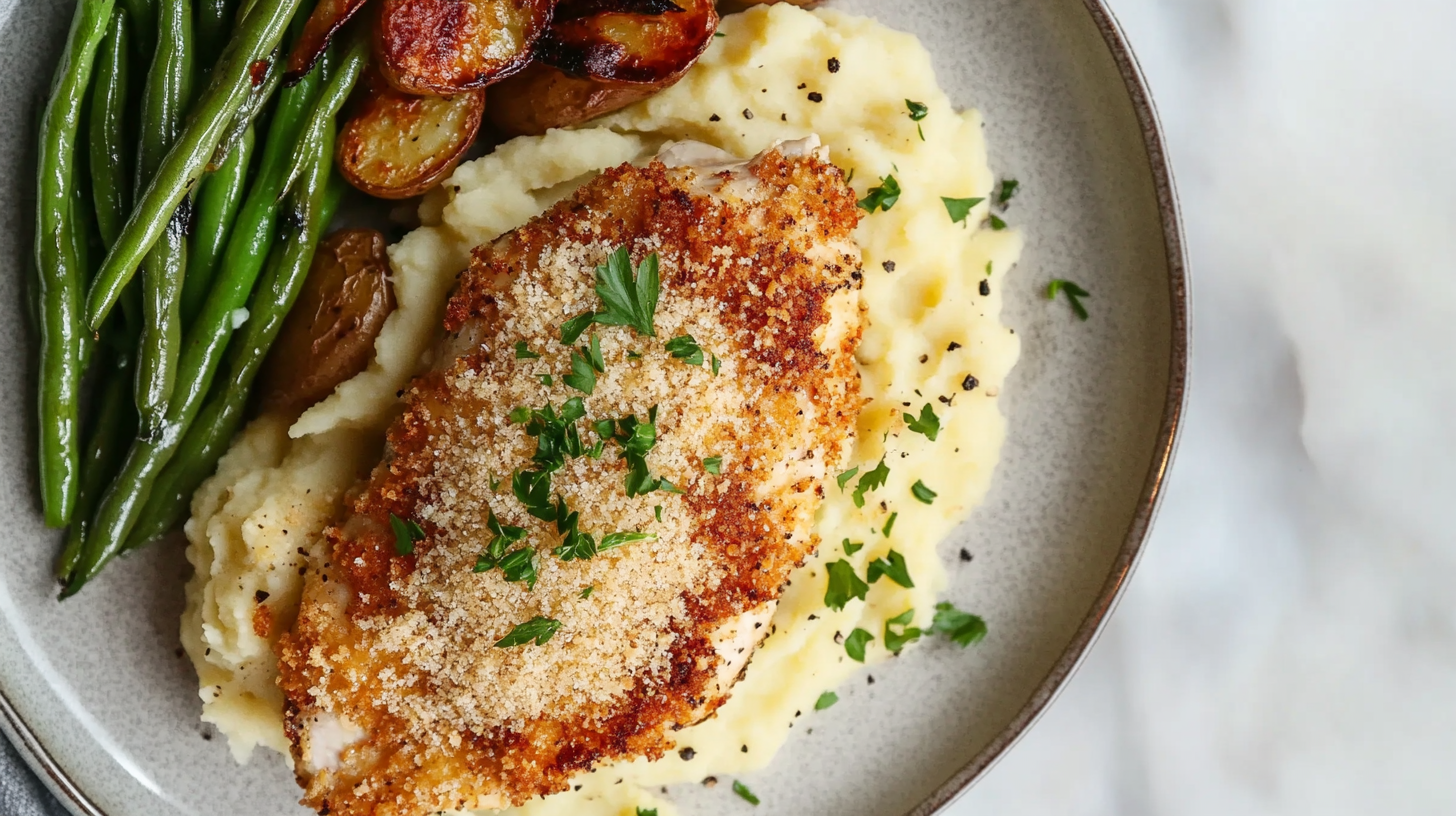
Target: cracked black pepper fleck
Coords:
[[747, 114], [985, 288], [969, 383], [715, 118], [889, 266], [834, 65], [815, 96]]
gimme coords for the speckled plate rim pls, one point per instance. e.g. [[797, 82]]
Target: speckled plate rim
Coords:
[[1175, 402], [70, 794]]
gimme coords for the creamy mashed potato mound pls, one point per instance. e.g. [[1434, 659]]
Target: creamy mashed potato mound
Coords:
[[927, 329]]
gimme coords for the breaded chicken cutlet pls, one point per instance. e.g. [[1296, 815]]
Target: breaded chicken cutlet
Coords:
[[572, 548]]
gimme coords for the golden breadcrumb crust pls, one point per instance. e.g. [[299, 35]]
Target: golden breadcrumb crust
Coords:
[[401, 647]]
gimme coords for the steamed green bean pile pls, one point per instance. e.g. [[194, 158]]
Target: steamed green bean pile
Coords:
[[179, 204]]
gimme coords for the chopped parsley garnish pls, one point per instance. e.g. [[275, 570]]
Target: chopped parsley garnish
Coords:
[[889, 524], [642, 811], [959, 208], [519, 565], [572, 329], [744, 793], [668, 487], [577, 546], [611, 541], [872, 480], [922, 493], [503, 536], [962, 628], [1074, 295], [533, 491], [586, 593], [630, 300], [825, 700], [892, 567], [634, 355], [1008, 191], [717, 364], [657, 511], [716, 35], [685, 348], [525, 353], [538, 629], [556, 434], [996, 222], [927, 423], [895, 641], [882, 197], [918, 112], [546, 379], [844, 477], [583, 376], [713, 464], [406, 533], [854, 645], [988, 268], [852, 547], [844, 585], [637, 438]]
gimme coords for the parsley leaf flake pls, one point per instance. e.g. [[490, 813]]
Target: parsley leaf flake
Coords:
[[927, 423], [962, 628], [538, 629], [844, 585], [893, 567], [854, 645]]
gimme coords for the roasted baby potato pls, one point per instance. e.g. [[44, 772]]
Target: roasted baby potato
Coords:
[[329, 335], [615, 41], [444, 47], [327, 18], [396, 145], [542, 97]]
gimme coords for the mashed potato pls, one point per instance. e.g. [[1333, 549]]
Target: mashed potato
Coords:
[[778, 73]]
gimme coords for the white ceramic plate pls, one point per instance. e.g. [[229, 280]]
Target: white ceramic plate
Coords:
[[97, 695]]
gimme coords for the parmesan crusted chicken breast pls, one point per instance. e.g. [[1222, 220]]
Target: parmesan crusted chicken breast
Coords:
[[589, 505]]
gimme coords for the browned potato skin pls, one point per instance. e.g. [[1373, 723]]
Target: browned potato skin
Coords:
[[397, 145], [329, 335], [327, 18], [642, 49], [444, 47], [541, 97]]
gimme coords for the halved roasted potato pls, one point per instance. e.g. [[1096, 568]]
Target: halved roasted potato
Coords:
[[541, 97], [444, 47], [327, 18], [397, 145], [616, 41], [328, 336]]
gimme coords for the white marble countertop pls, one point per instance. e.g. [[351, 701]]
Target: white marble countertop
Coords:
[[1288, 645]]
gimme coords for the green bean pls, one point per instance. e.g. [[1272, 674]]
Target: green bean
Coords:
[[58, 278], [218, 202], [143, 19], [251, 109], [231, 82], [110, 159], [112, 426], [214, 18], [124, 501], [164, 107], [219, 420]]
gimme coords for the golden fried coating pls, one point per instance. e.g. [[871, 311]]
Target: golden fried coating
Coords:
[[400, 700]]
